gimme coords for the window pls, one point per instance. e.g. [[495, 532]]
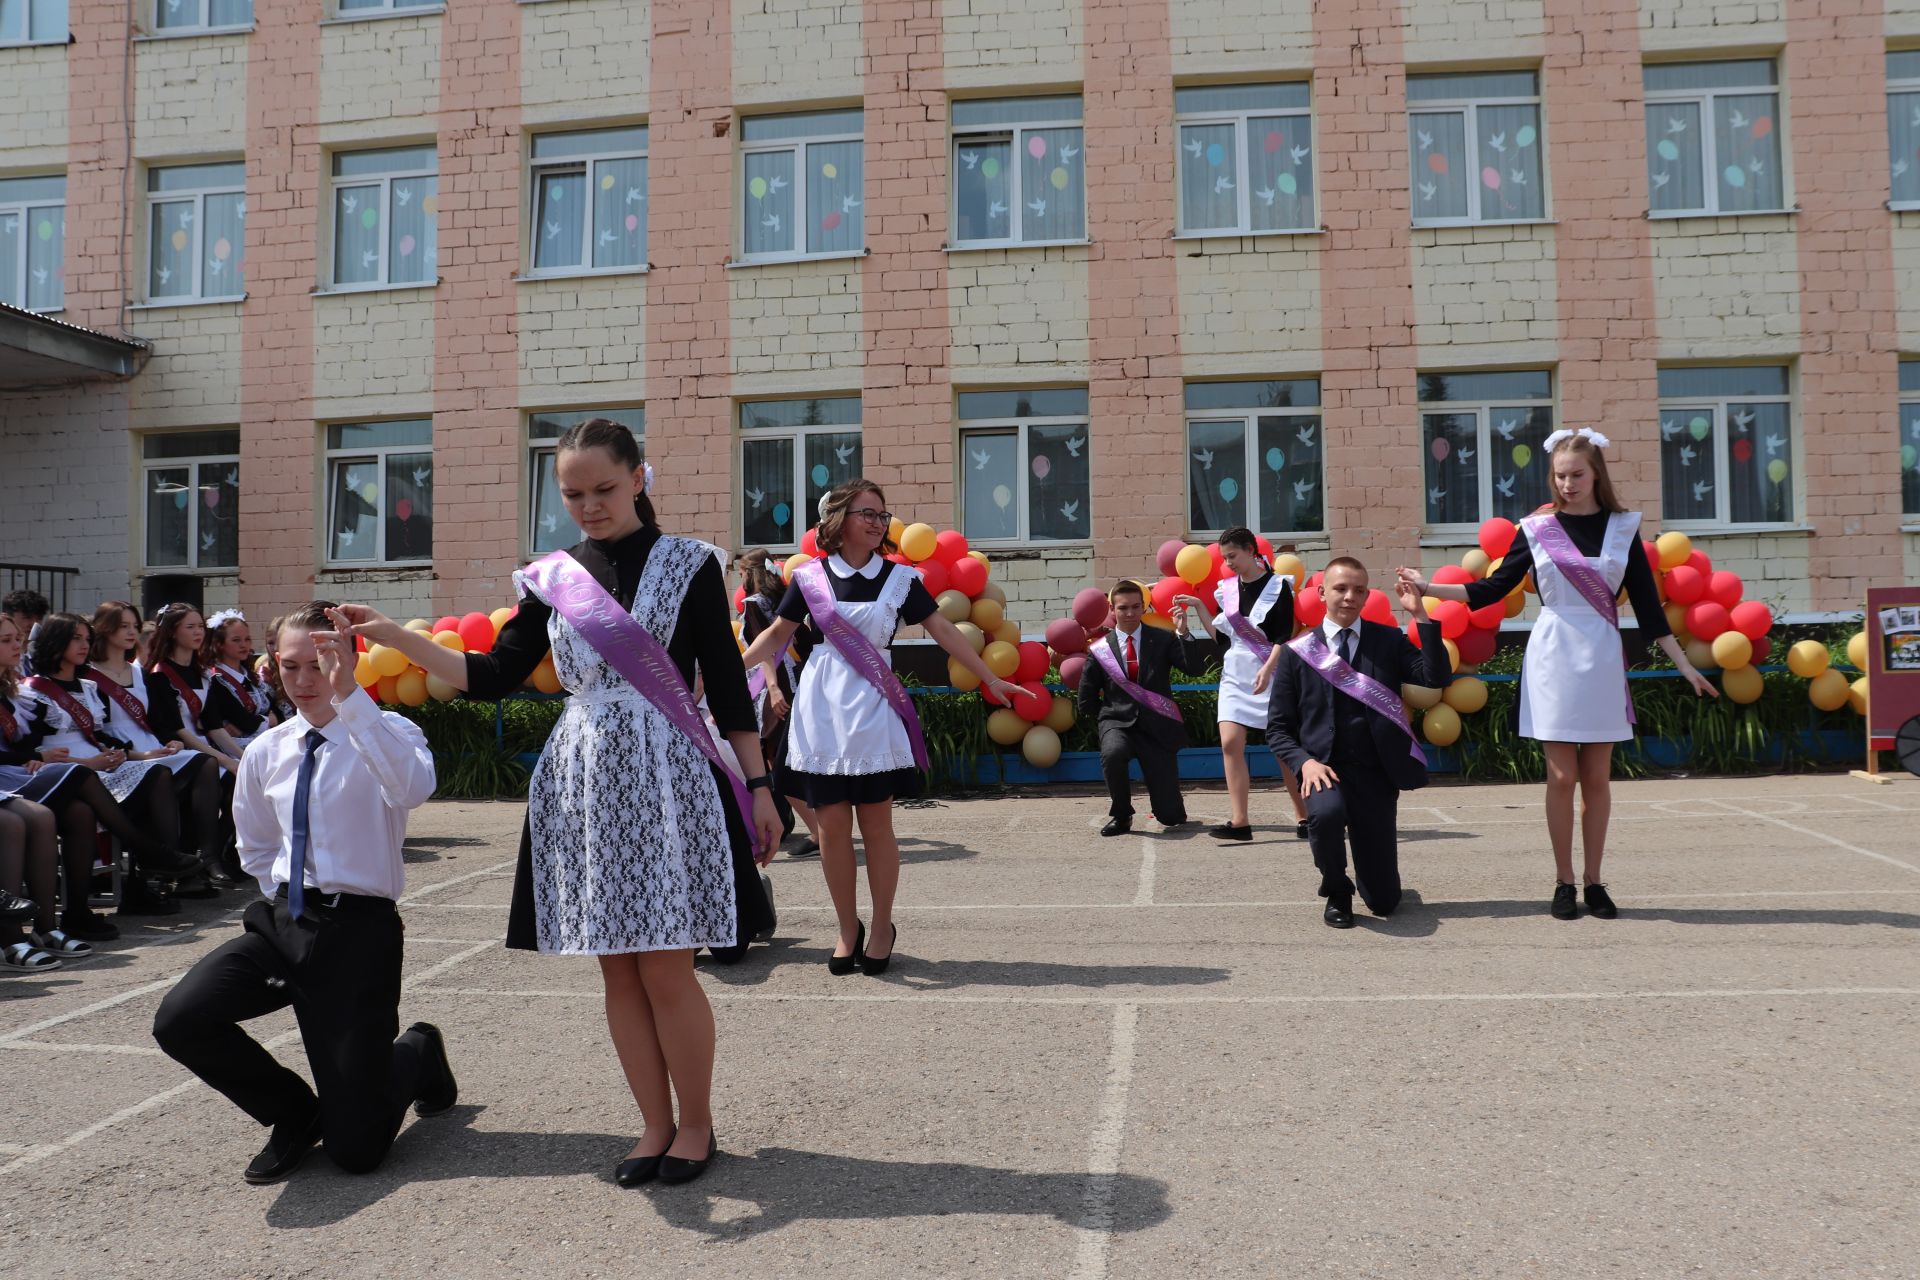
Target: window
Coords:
[[549, 528], [1726, 446], [1476, 148], [809, 162], [590, 201], [1245, 158], [190, 486], [1253, 456], [383, 223], [1903, 127], [1018, 173], [33, 235], [33, 21], [1909, 442], [362, 8], [201, 15], [380, 492], [1483, 434], [196, 220], [790, 447], [1719, 119], [1026, 466]]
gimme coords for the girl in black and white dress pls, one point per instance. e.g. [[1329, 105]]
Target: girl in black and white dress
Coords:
[[781, 679], [206, 707], [227, 655], [848, 754]]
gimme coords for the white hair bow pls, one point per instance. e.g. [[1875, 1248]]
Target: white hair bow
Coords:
[[225, 616], [646, 485], [1588, 434]]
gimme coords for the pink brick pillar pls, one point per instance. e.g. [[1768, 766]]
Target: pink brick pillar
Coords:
[[1835, 66], [689, 238], [906, 385], [1609, 346], [1368, 384], [279, 526], [476, 366], [1133, 286]]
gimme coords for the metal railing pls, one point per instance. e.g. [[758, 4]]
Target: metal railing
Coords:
[[50, 580]]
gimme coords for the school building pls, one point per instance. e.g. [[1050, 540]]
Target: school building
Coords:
[[298, 293]]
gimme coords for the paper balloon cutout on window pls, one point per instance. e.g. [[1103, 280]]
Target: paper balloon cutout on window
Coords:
[[211, 496], [1777, 471], [1525, 137], [1440, 448], [1287, 184], [406, 246], [1002, 496], [831, 221], [990, 167], [1667, 149], [819, 475], [222, 249], [1042, 467], [1700, 427], [757, 188], [1490, 178], [180, 500], [1763, 126], [1743, 450], [606, 182], [1437, 162], [1907, 456], [1522, 455], [633, 222], [1735, 176], [430, 205], [178, 241], [1216, 155], [1058, 178], [781, 513], [1276, 460], [403, 510], [1229, 488], [1036, 147], [829, 170], [45, 230], [1273, 142], [369, 218]]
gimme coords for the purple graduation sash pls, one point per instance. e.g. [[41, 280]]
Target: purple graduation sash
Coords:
[[629, 649], [757, 678], [1243, 629], [1104, 653], [1311, 648], [861, 653], [1547, 534]]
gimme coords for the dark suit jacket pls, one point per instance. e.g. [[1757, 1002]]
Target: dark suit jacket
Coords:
[[1300, 713], [1160, 653]]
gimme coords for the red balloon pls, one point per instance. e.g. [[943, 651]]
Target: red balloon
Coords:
[[1090, 607], [898, 558], [1477, 645], [1685, 584], [1264, 547], [1725, 588], [1033, 710], [991, 698], [403, 509], [1164, 558], [1452, 575], [1034, 662], [1490, 617], [1707, 620], [476, 632], [1496, 536], [1066, 635], [949, 545], [1652, 553], [739, 598], [1165, 590], [1309, 610], [810, 543], [449, 623], [1761, 648], [1378, 608], [1413, 633], [934, 574], [1752, 619], [1700, 562], [968, 576], [1071, 668], [1453, 617], [1313, 579]]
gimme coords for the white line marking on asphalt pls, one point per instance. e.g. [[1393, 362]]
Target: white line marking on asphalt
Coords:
[[437, 886], [1820, 835], [10, 1149], [1103, 1164], [433, 971], [132, 993], [47, 1046], [1143, 893]]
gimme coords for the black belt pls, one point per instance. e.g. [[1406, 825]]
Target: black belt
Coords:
[[362, 903]]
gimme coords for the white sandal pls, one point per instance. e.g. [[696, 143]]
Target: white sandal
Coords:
[[62, 944], [25, 956]]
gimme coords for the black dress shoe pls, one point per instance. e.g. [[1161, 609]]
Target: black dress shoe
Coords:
[[1117, 827], [14, 908], [631, 1173], [167, 862], [806, 849], [1339, 913], [874, 966], [1227, 831], [285, 1150], [438, 1090], [218, 875], [841, 966], [88, 927], [674, 1169], [138, 898], [197, 887], [1300, 830], [1564, 905], [1600, 902]]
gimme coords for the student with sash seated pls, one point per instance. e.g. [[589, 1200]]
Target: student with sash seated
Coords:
[[1128, 689], [1574, 696], [854, 744], [1338, 720], [638, 840]]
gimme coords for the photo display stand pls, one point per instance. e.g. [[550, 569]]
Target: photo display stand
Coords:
[[1893, 679]]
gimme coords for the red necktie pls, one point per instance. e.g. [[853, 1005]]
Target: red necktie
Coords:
[[1133, 663]]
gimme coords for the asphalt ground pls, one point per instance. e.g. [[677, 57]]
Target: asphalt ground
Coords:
[[1132, 1057]]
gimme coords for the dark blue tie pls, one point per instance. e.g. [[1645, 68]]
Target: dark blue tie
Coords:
[[297, 872], [1346, 645]]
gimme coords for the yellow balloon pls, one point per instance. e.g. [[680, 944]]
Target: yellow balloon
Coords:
[[1829, 690], [1857, 696], [363, 673], [1001, 658], [545, 677], [1516, 604], [1041, 747], [1475, 562], [1699, 653], [981, 556], [1857, 651], [386, 691], [1808, 659], [411, 689], [917, 542], [1731, 651], [794, 561], [1453, 655], [1292, 566], [385, 661], [953, 605], [1009, 633], [1674, 548], [1529, 587], [1430, 602], [1466, 695], [974, 635], [1441, 726], [1159, 621], [440, 691], [988, 614], [1743, 684], [961, 677], [1419, 696], [499, 618], [896, 530], [1676, 617], [1060, 716], [450, 640], [420, 624], [1193, 564], [994, 591], [1005, 726]]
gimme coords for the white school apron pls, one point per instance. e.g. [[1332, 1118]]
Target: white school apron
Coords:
[[1238, 703], [1572, 681]]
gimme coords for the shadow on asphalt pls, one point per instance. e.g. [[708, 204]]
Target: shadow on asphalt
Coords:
[[916, 974], [419, 849], [1415, 918]]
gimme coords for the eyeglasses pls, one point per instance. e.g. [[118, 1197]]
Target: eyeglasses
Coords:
[[873, 517]]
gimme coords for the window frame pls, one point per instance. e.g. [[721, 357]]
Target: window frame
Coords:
[[23, 209], [377, 454], [384, 181], [1723, 494], [198, 197], [585, 163], [339, 12], [804, 518], [28, 39], [1903, 85], [1483, 410], [1470, 108], [537, 447], [204, 27], [1015, 134], [1710, 145], [1025, 539], [1249, 420], [801, 169], [1908, 429], [1243, 165], [193, 462]]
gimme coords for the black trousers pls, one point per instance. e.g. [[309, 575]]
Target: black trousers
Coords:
[[339, 967], [1361, 810], [1159, 766]]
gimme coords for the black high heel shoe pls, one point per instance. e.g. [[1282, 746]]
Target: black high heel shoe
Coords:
[[631, 1173], [873, 966], [675, 1170], [841, 966]]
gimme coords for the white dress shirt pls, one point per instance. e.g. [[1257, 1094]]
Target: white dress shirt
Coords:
[[372, 769], [1330, 632]]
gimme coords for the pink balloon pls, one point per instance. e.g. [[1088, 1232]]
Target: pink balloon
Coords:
[[211, 497], [1041, 467], [633, 222], [406, 245], [1036, 146], [1490, 178], [1067, 636], [1090, 607], [1440, 449], [403, 509], [1273, 143], [1164, 558], [831, 221]]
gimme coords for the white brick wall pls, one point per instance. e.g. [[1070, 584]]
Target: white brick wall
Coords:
[[1726, 287], [191, 95], [373, 353], [993, 44], [193, 378], [1494, 290], [584, 336], [68, 488], [384, 74], [1257, 36], [1243, 311], [33, 107], [1440, 33], [1694, 25], [1018, 308], [584, 60], [796, 317], [796, 52], [398, 593]]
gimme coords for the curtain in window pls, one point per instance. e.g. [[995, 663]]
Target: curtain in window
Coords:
[[49, 20], [990, 484], [229, 13], [1903, 145], [1209, 182], [354, 490], [1686, 464], [620, 213], [1748, 149], [769, 204], [1522, 478], [219, 499], [1453, 485], [1053, 185], [356, 235], [223, 246], [556, 241], [1059, 482], [1216, 474], [13, 229], [1280, 172], [1288, 460], [1510, 185], [411, 250], [553, 528], [1440, 165], [766, 491], [408, 495], [46, 232], [1759, 464], [1910, 459], [170, 265], [13, 19], [833, 197], [830, 459], [168, 493], [983, 185], [1676, 174], [176, 13]]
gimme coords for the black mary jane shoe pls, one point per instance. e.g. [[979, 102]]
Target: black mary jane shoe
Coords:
[[675, 1169], [1565, 905], [639, 1169], [841, 966], [874, 966], [1227, 831], [1600, 902], [1339, 912]]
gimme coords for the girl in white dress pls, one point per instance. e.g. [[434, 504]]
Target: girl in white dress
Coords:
[[226, 654], [1574, 698], [206, 707], [849, 752]]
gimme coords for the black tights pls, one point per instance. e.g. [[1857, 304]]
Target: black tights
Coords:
[[88, 803], [200, 788]]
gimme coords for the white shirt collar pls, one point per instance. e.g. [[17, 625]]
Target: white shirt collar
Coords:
[[871, 569], [1331, 631]]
